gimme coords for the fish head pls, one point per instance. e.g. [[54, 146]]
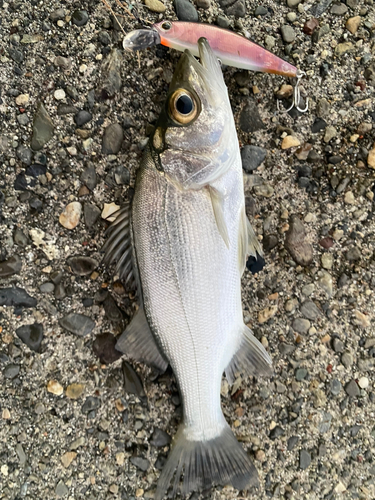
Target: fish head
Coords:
[[195, 137]]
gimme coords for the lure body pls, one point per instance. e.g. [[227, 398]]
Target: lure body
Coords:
[[231, 48]]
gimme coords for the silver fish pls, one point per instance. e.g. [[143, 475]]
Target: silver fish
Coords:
[[186, 238]]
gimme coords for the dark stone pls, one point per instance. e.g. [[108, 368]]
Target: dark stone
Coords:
[[234, 8], [82, 266], [334, 160], [104, 348], [10, 267], [24, 154], [160, 438], [337, 345], [276, 432], [353, 254], [57, 15], [16, 55], [132, 383], [11, 371], [304, 171], [17, 297], [252, 157], [118, 176], [301, 374], [112, 312], [20, 238], [82, 117], [261, 11], [255, 264], [66, 109], [43, 128], [112, 71], [91, 403], [335, 386], [77, 323], [223, 22], [104, 38], [352, 389], [91, 214], [185, 11], [310, 310], [36, 170], [112, 139], [292, 441], [310, 26], [141, 463], [304, 459], [318, 125], [80, 17], [269, 242], [89, 177], [342, 281], [250, 120], [31, 335]]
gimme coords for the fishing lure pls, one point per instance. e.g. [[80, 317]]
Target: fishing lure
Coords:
[[231, 48]]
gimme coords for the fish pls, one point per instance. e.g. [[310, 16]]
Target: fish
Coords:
[[184, 240], [231, 48]]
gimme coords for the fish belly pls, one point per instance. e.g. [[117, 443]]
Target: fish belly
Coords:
[[191, 290]]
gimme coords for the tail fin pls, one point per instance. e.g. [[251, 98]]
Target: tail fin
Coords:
[[221, 460]]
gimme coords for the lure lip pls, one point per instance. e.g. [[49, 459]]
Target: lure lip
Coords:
[[141, 39]]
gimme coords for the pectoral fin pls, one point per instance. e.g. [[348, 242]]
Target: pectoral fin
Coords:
[[248, 243], [217, 205], [251, 358], [139, 344]]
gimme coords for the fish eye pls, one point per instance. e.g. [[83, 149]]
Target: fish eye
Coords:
[[183, 107], [166, 25]]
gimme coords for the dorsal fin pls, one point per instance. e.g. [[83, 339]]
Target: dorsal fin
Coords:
[[118, 247]]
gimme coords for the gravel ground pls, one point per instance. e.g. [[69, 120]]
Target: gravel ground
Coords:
[[75, 421]]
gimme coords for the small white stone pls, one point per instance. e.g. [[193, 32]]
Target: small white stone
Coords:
[[72, 150], [349, 198], [108, 210], [290, 141], [71, 215], [60, 23], [22, 99], [340, 488], [54, 387], [59, 94], [83, 68], [363, 382]]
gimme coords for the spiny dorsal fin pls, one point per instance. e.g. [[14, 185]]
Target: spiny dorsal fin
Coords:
[[251, 358], [248, 243], [118, 247], [217, 205], [138, 343]]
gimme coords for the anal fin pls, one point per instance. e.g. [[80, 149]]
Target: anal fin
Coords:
[[251, 358], [139, 344]]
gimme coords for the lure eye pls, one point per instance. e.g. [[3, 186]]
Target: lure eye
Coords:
[[183, 107], [166, 25]]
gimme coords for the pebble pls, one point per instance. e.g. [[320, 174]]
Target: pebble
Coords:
[[22, 100], [301, 374], [363, 382], [343, 48], [112, 139], [104, 348], [11, 371], [296, 244], [64, 63], [54, 387], [118, 176], [31, 335], [347, 359], [265, 190], [325, 423], [301, 325], [234, 8], [160, 438], [47, 287], [304, 459], [132, 383], [338, 345], [352, 389], [141, 463], [11, 266], [203, 4], [371, 158], [91, 403], [43, 128], [309, 309], [327, 260], [335, 387], [353, 254], [89, 178], [77, 443], [59, 94], [325, 282], [288, 34], [108, 210], [250, 120], [91, 214], [57, 15], [310, 26], [349, 198], [82, 117], [155, 6], [17, 297], [74, 391], [80, 17], [71, 215], [82, 266], [252, 157], [267, 313], [290, 141], [112, 75], [339, 9], [185, 11], [78, 324], [269, 242], [352, 24], [61, 489], [361, 319], [68, 458]]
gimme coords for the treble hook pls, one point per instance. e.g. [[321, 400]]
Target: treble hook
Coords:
[[296, 97]]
